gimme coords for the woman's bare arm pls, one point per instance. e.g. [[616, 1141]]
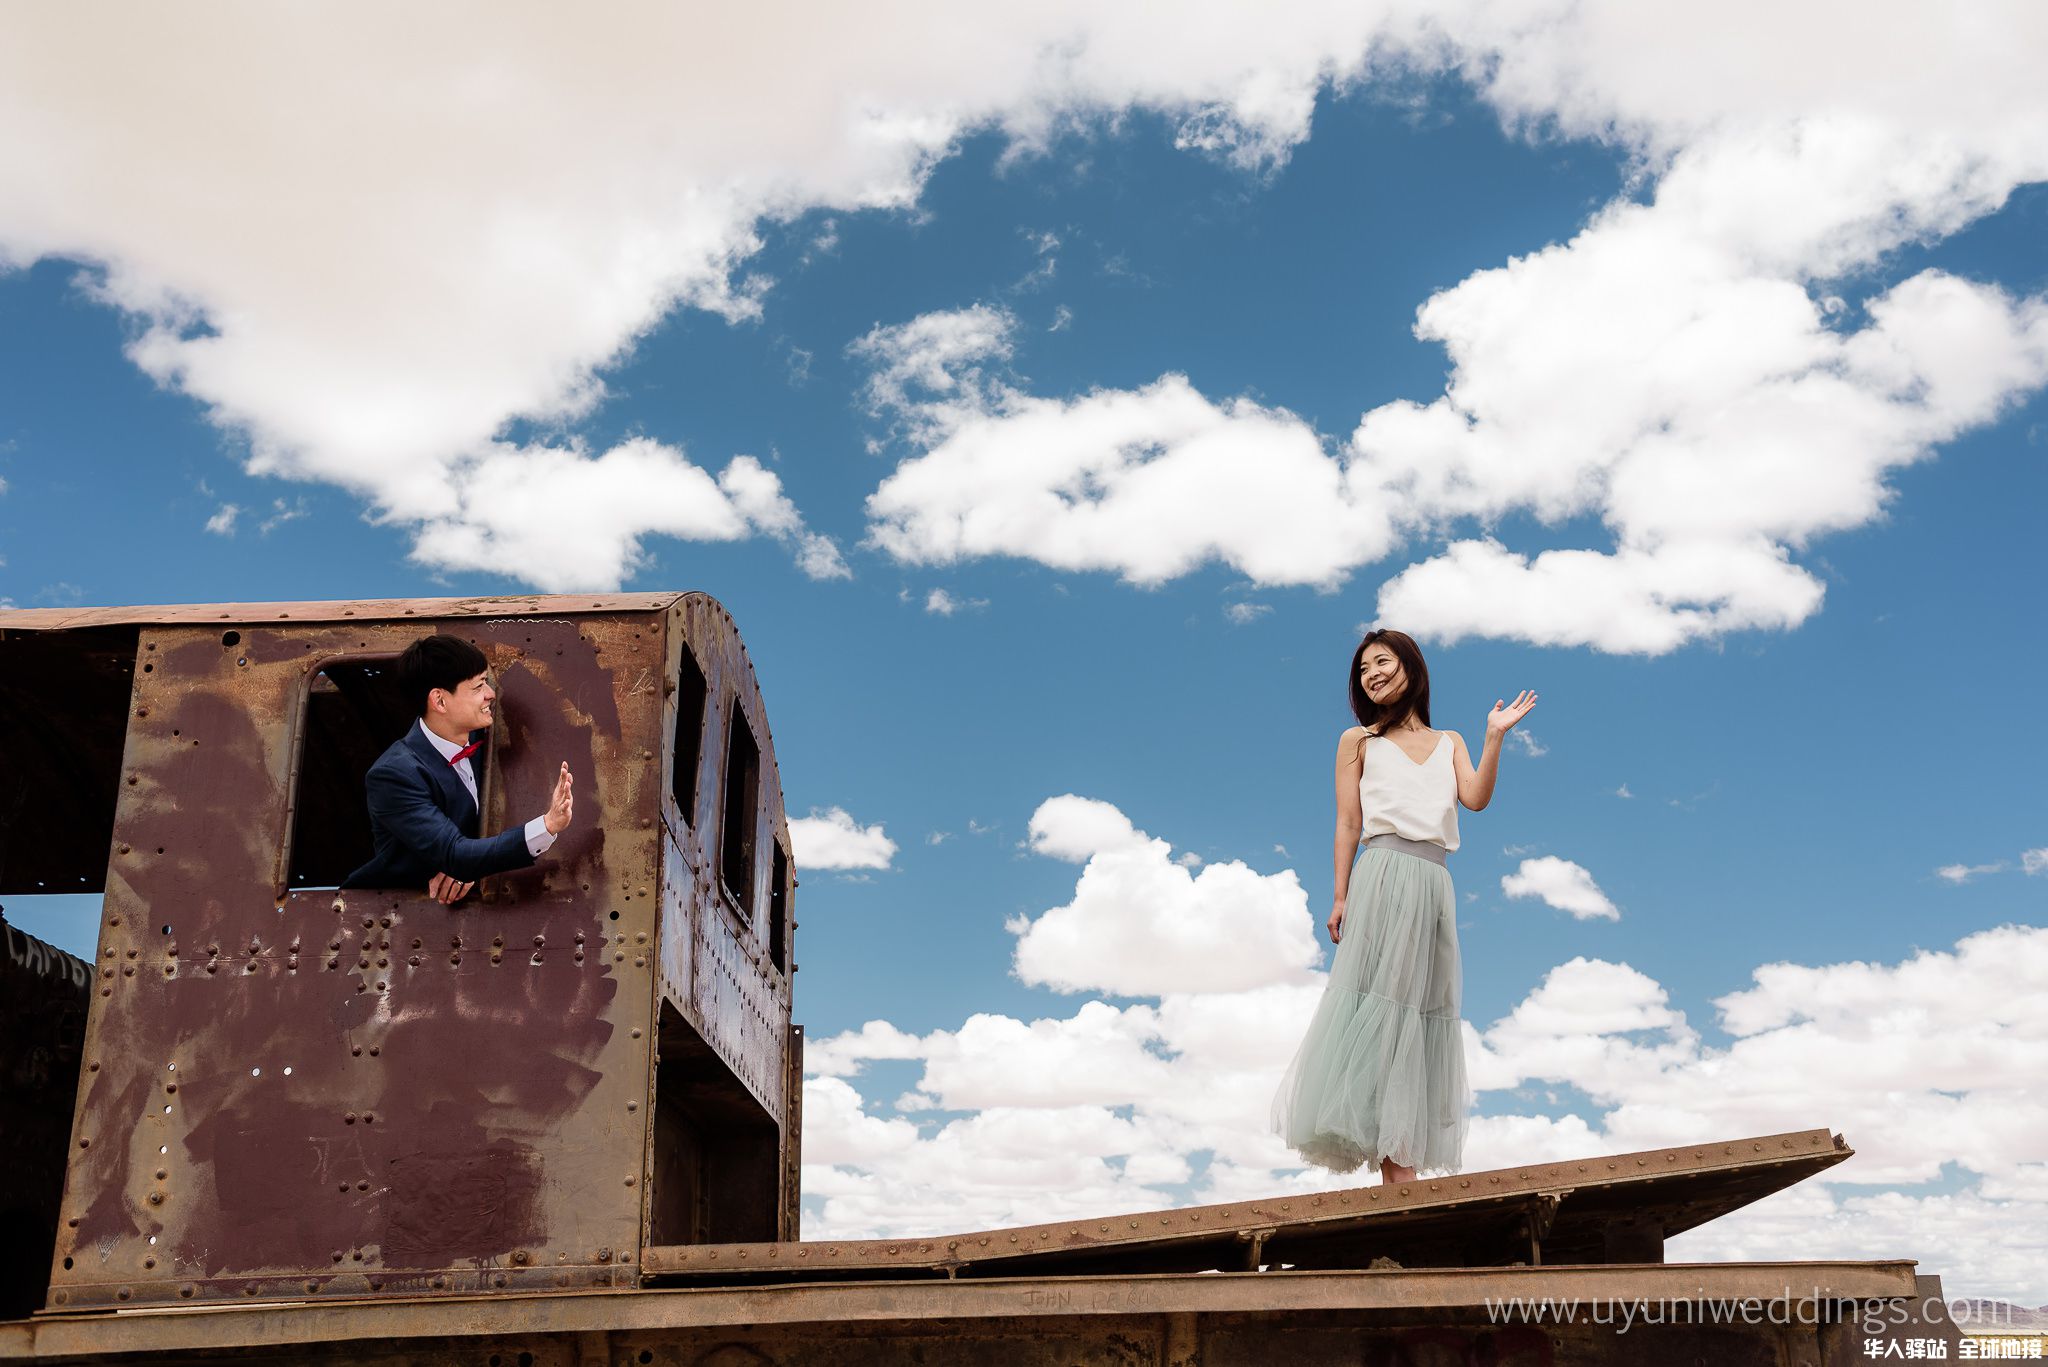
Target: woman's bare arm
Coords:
[[1475, 782], [1350, 818]]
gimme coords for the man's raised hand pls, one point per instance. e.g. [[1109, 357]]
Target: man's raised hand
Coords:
[[562, 804]]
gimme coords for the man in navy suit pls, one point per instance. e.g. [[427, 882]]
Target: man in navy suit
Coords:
[[424, 807]]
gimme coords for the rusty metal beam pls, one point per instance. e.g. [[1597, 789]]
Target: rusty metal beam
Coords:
[[1754, 1165], [341, 610], [938, 1304]]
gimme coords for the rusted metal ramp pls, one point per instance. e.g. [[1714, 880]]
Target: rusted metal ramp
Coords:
[[1614, 1209]]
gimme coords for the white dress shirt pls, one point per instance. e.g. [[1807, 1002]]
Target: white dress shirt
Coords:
[[538, 836]]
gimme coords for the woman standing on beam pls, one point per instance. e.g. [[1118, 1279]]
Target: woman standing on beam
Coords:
[[1380, 1076]]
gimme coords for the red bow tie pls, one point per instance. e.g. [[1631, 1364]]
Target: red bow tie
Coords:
[[465, 752]]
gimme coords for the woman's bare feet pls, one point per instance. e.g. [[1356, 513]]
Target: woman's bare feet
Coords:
[[1392, 1172]]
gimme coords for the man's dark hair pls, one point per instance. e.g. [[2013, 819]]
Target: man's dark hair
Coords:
[[436, 662]]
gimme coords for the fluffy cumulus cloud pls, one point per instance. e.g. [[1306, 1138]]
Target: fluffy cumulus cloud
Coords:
[[1112, 1106], [1681, 369], [405, 269], [1562, 884], [832, 839], [371, 258], [1143, 923]]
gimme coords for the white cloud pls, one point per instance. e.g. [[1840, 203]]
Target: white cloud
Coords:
[[1244, 614], [222, 523], [834, 840], [1530, 746], [1150, 484], [372, 291], [1562, 884], [1623, 792], [2034, 861], [1142, 923], [944, 604], [1963, 873], [1163, 1102]]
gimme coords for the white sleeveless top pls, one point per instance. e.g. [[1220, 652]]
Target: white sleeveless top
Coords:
[[1414, 801]]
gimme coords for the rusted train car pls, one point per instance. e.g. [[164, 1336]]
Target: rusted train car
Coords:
[[560, 1122]]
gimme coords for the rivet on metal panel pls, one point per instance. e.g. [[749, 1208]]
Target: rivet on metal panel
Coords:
[[636, 1032], [349, 1119], [630, 1181], [632, 1105], [369, 1118], [362, 1186], [124, 1293], [312, 1285], [604, 1255]]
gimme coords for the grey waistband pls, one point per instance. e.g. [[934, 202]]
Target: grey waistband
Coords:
[[1421, 849]]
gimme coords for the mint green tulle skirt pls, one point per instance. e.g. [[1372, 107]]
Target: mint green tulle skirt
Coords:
[[1381, 1072]]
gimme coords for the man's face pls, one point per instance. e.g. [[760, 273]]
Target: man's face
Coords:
[[468, 708]]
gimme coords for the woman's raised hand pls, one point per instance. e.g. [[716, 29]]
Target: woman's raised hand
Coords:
[[1505, 715]]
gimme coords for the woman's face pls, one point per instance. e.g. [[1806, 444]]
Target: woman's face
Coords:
[[1381, 676]]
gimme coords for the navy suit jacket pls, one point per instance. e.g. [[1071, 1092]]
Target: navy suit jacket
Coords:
[[421, 818]]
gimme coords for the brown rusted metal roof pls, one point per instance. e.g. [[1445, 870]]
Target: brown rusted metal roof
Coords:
[[367, 609], [1564, 1211]]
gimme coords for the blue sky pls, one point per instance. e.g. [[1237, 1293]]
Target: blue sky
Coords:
[[1774, 710]]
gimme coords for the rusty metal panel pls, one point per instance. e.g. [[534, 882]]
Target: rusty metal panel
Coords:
[[1454, 1220], [409, 610], [1222, 1316], [789, 1226], [716, 965], [362, 1093]]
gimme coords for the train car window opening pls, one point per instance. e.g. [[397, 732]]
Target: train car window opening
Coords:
[[778, 910], [742, 793], [354, 710], [691, 695], [64, 715]]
